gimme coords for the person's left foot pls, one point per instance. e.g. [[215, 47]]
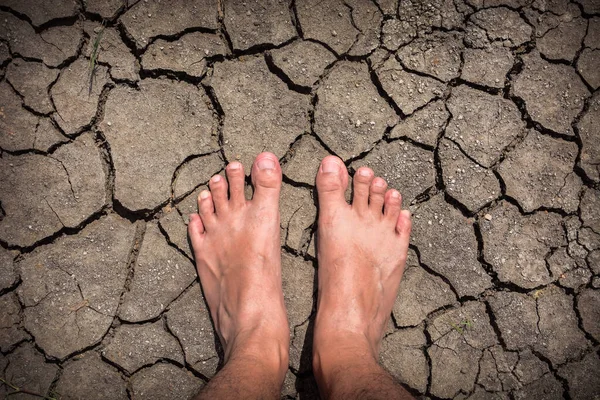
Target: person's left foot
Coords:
[[237, 252]]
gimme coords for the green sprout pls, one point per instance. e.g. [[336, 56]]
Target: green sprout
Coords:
[[462, 326], [94, 57]]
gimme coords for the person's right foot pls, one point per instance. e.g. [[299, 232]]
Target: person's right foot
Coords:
[[361, 251]]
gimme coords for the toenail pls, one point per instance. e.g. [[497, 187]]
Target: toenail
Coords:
[[395, 195], [364, 172], [204, 194], [379, 183], [216, 178], [331, 167], [266, 163], [234, 165]]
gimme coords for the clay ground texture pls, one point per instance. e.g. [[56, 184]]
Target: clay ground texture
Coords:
[[484, 113]]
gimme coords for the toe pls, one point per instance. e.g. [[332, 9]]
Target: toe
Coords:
[[332, 181], [195, 230], [361, 182], [235, 177], [392, 205], [403, 227], [266, 178], [376, 195], [218, 190], [206, 207]]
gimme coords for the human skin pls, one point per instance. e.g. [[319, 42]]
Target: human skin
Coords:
[[237, 254], [362, 250]]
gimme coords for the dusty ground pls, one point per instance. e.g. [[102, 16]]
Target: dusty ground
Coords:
[[484, 113]]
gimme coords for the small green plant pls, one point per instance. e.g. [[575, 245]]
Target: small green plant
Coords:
[[94, 57], [462, 326], [25, 391]]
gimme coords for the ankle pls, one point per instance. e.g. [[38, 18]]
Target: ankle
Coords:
[[330, 352], [356, 337], [266, 351], [338, 357]]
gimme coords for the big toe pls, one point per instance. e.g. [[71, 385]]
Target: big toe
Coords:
[[332, 181], [266, 177]]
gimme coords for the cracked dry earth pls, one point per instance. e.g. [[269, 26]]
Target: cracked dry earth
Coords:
[[483, 113]]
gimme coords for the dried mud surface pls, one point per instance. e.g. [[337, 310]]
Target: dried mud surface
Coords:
[[484, 113]]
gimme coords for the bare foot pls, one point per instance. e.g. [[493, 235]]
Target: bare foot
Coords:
[[237, 252], [362, 251]]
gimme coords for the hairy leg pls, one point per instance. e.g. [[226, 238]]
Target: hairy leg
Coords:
[[362, 251], [237, 253]]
